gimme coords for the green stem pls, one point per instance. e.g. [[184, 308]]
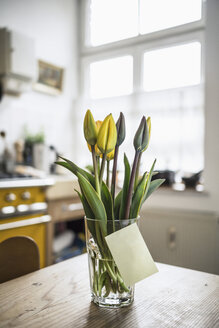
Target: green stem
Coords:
[[131, 184], [110, 271], [113, 184], [95, 171], [121, 282], [108, 173], [137, 171], [98, 164], [102, 169]]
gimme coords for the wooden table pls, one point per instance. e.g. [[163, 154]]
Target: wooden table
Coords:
[[58, 296]]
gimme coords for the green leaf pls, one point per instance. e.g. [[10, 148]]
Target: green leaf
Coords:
[[74, 168], [150, 174], [137, 197], [153, 186], [107, 201], [94, 201], [117, 204], [125, 187], [89, 214], [87, 210]]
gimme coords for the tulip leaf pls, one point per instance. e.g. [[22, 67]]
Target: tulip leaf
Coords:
[[117, 204], [87, 210], [125, 187], [94, 201], [74, 168], [89, 214], [153, 186], [148, 182], [107, 201], [137, 197], [105, 194]]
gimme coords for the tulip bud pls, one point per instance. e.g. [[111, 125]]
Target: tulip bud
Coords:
[[90, 129], [142, 136], [149, 132], [107, 136], [97, 151], [120, 126], [110, 155]]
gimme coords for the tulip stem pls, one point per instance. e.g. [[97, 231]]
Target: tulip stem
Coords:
[[137, 171], [108, 173], [102, 169], [131, 184], [95, 171], [113, 184], [98, 164]]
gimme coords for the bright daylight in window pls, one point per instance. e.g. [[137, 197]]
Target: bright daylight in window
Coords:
[[153, 67]]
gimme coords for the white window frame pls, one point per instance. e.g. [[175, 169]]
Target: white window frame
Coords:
[[135, 47]]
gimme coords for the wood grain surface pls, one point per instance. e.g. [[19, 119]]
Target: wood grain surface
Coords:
[[59, 296]]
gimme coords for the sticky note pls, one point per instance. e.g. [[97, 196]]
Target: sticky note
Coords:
[[131, 254]]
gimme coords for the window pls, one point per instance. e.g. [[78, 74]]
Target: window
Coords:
[[110, 22], [114, 20], [172, 67], [111, 77], [145, 58], [156, 15]]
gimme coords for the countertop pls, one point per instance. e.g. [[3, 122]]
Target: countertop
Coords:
[[47, 180], [26, 182], [59, 296]]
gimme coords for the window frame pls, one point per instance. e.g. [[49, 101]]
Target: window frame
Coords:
[[86, 49]]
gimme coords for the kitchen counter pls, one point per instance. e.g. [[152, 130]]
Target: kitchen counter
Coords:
[[64, 187], [59, 296], [26, 182]]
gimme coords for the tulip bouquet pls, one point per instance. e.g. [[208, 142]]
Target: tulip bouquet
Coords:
[[105, 211]]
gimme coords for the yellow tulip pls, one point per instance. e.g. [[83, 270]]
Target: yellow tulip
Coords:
[[107, 136], [110, 155], [97, 151], [90, 129]]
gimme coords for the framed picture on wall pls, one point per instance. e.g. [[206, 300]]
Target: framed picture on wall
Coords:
[[50, 78]]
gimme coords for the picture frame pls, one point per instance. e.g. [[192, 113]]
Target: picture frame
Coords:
[[50, 78]]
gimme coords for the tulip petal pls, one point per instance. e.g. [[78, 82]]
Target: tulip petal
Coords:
[[107, 136], [90, 128]]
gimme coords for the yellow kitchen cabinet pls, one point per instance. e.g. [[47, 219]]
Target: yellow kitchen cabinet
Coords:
[[31, 221], [35, 231]]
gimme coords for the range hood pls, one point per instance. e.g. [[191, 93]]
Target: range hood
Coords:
[[17, 62]]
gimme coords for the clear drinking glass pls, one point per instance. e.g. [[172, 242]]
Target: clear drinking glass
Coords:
[[107, 286]]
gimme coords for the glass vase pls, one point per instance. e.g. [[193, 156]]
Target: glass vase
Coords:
[[107, 286]]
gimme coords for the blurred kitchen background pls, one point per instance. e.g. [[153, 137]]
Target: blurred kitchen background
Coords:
[[142, 57]]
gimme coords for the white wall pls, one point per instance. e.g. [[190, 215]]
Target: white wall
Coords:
[[53, 25]]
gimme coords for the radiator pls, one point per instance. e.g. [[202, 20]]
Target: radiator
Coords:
[[183, 238]]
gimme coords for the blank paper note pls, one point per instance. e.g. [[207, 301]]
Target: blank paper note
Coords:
[[131, 254]]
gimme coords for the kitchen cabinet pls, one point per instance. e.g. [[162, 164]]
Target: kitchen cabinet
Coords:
[[23, 212], [182, 237]]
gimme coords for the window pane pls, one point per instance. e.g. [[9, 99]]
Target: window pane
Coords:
[[157, 15], [172, 67], [112, 20], [111, 77]]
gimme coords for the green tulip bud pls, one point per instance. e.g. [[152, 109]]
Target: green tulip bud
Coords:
[[107, 136], [142, 136], [149, 131], [90, 129], [120, 126]]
